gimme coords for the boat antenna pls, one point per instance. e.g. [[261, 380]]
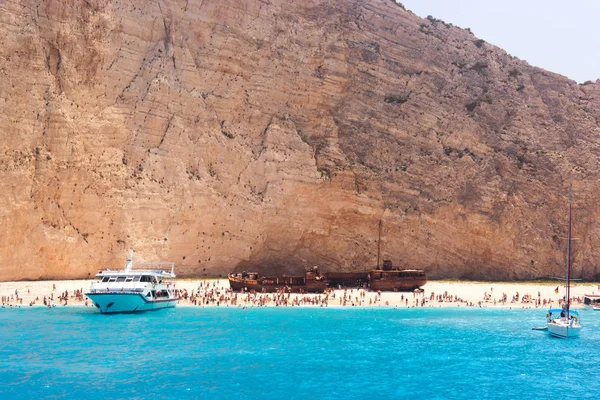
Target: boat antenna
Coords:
[[569, 253], [379, 244], [129, 264]]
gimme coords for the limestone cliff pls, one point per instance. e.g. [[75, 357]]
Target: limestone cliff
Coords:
[[274, 135]]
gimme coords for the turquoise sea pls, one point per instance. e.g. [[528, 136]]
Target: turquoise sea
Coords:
[[294, 353]]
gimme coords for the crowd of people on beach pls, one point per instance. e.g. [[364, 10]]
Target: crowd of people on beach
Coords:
[[213, 293], [219, 296], [16, 300]]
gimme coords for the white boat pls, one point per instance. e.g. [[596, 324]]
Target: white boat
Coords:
[[134, 290], [592, 302], [565, 323]]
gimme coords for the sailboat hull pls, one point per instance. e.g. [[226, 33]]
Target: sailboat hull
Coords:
[[563, 330]]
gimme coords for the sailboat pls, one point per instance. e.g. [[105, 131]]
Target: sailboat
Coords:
[[564, 322]]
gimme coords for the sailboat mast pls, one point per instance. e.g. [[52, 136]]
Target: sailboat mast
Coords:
[[569, 252], [379, 245]]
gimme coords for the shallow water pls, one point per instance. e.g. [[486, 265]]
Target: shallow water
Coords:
[[294, 353]]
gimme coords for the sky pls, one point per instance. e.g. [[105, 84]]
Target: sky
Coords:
[[558, 36]]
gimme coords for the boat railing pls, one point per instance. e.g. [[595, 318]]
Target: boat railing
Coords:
[[127, 287], [117, 290], [160, 273]]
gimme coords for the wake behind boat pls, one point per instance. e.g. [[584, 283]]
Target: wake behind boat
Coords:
[[129, 290]]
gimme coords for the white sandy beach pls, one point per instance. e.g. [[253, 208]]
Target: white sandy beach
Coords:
[[215, 292]]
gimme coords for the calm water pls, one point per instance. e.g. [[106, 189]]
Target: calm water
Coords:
[[294, 353]]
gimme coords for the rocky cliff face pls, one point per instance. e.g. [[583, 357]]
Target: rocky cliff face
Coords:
[[275, 135]]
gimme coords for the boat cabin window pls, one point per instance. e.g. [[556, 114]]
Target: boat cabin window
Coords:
[[129, 279], [146, 278], [105, 279], [121, 279], [112, 279]]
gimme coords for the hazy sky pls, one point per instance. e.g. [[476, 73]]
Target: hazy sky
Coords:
[[559, 36]]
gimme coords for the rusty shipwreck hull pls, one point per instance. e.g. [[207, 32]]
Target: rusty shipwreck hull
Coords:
[[347, 279], [396, 280], [310, 283]]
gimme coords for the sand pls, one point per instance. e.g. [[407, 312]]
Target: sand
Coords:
[[455, 294]]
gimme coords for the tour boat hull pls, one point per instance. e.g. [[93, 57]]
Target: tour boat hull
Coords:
[[112, 303]]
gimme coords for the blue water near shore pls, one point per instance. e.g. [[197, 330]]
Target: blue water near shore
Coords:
[[294, 353]]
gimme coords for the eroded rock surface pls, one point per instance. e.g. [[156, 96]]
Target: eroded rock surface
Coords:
[[274, 135]]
